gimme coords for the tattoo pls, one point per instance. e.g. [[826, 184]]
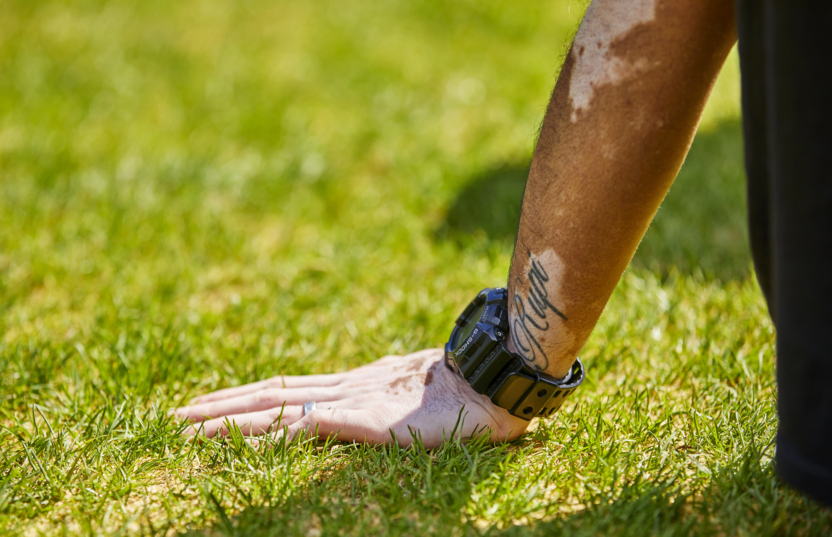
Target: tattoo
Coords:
[[533, 313]]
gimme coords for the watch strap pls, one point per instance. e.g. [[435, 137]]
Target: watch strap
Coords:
[[527, 393]]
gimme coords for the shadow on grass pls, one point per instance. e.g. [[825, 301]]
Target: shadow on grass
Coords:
[[700, 226], [743, 498], [488, 207]]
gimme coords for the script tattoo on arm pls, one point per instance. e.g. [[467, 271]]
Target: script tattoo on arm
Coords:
[[533, 315]]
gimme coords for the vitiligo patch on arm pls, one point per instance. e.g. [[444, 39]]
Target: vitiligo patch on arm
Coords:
[[595, 62]]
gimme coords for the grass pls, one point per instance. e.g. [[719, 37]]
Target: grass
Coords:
[[200, 194]]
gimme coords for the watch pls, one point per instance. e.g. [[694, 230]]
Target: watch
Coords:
[[477, 351]]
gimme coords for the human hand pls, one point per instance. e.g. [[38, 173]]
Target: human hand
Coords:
[[394, 394]]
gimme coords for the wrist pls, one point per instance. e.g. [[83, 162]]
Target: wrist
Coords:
[[508, 427], [478, 350]]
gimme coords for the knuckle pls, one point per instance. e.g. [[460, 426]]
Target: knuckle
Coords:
[[336, 416], [267, 395], [275, 382], [276, 412], [201, 412]]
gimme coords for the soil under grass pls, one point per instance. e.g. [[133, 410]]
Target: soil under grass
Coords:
[[200, 194]]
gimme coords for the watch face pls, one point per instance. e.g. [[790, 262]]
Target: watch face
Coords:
[[466, 329]]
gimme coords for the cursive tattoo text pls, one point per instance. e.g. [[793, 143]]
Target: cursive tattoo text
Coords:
[[532, 314]]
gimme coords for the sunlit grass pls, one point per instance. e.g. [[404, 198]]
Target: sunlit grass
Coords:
[[201, 194]]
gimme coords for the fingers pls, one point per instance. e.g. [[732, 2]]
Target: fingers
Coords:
[[252, 424], [361, 405], [309, 381], [280, 381], [261, 400], [345, 425]]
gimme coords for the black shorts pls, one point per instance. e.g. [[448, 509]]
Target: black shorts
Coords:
[[786, 61]]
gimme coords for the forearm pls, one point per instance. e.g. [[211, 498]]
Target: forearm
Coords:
[[619, 124]]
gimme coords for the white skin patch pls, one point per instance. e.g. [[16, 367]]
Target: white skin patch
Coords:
[[605, 21], [538, 331]]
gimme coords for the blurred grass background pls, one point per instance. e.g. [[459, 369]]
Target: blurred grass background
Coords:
[[203, 193]]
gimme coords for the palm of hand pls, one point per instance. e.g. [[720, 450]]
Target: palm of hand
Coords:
[[395, 393]]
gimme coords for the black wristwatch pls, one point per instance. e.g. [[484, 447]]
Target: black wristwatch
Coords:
[[476, 350]]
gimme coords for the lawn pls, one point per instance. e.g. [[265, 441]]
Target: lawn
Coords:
[[199, 194]]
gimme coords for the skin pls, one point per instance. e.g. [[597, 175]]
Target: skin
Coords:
[[615, 134], [620, 122], [395, 393]]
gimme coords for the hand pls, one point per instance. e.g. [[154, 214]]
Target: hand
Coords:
[[363, 405]]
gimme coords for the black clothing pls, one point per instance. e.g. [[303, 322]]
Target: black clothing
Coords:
[[786, 62]]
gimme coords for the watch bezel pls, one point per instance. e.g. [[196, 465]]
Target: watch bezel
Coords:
[[490, 329]]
